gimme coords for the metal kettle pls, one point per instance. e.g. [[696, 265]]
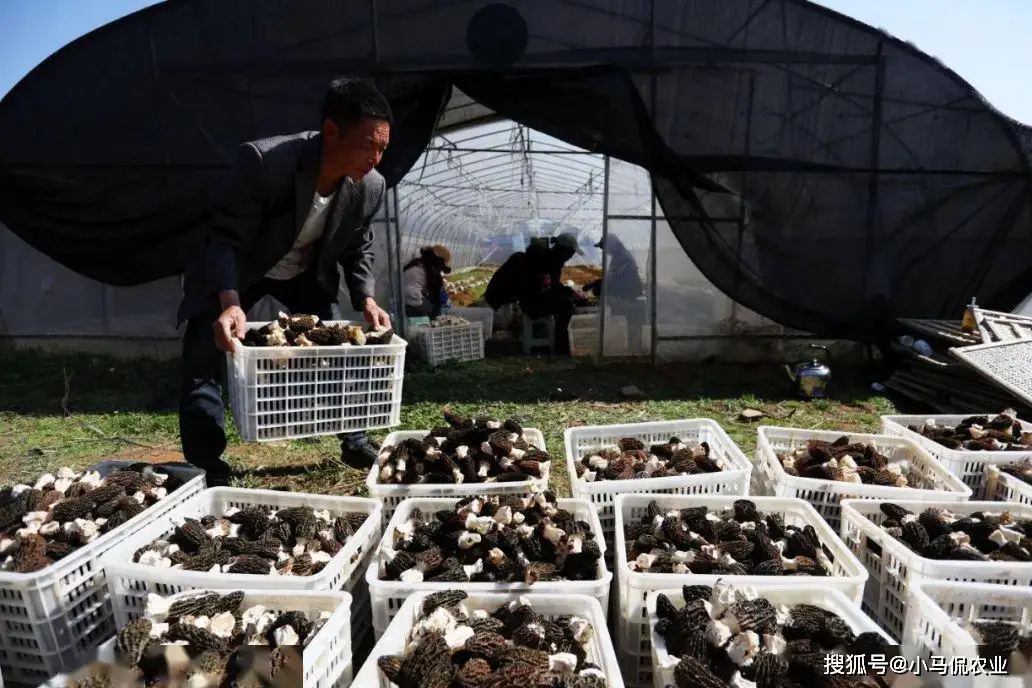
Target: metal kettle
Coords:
[[810, 378]]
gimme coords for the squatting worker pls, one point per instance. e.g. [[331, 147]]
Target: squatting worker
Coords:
[[533, 279], [294, 208], [423, 281]]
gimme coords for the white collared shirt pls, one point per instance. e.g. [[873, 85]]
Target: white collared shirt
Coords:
[[299, 257]]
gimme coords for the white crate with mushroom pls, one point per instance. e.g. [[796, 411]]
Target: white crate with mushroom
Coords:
[[165, 558], [1010, 483], [951, 619], [965, 447], [485, 316], [350, 380], [900, 542], [710, 462], [56, 605], [749, 622], [409, 560], [460, 469], [825, 467], [419, 616], [683, 526], [316, 623]]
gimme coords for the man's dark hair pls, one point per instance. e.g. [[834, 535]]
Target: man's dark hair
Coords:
[[349, 100]]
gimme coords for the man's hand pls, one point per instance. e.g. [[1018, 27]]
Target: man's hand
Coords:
[[230, 326], [375, 316]]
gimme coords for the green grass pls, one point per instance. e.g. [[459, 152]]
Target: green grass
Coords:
[[76, 410]]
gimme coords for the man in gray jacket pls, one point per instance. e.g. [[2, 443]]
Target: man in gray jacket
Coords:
[[294, 208]]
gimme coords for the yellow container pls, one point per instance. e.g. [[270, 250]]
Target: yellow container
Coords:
[[967, 322]]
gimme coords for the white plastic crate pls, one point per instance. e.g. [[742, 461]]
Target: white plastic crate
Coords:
[[394, 640], [969, 466], [326, 661], [130, 583], [1004, 487], [388, 596], [50, 619], [825, 495], [663, 662], [632, 634], [938, 610], [586, 440], [393, 495], [584, 330], [893, 566], [448, 344], [485, 316], [288, 392]]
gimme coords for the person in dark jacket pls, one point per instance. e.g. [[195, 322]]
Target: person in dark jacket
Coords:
[[624, 280], [423, 281], [296, 213], [625, 290], [533, 279]]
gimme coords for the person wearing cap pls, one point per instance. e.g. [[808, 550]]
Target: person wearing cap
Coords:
[[423, 281], [624, 280], [624, 286], [533, 279]]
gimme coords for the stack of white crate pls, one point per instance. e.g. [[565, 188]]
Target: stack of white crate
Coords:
[[52, 619], [130, 583]]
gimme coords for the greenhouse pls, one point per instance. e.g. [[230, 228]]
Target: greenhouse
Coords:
[[772, 169]]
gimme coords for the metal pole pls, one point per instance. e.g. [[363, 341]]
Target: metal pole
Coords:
[[398, 252], [392, 265], [605, 252], [654, 331], [398, 283]]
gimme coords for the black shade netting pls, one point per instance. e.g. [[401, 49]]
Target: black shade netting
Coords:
[[863, 180]]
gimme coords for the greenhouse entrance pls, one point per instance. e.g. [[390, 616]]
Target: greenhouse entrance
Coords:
[[485, 191]]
